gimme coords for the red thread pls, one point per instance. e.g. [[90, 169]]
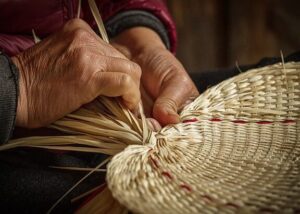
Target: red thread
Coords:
[[167, 174], [154, 162], [289, 121], [229, 204], [259, 122], [186, 187], [190, 120], [215, 120], [207, 198]]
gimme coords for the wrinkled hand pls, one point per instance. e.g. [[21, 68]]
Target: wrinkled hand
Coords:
[[69, 69], [163, 77]]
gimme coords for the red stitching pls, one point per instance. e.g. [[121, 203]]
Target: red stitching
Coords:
[[263, 122], [190, 120], [230, 204], [289, 121], [154, 162], [186, 187], [167, 174], [216, 120], [207, 198]]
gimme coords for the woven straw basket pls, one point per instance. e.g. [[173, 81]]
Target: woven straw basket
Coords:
[[237, 149]]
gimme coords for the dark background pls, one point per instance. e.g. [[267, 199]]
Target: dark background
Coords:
[[218, 33]]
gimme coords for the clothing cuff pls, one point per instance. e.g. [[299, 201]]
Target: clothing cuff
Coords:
[[134, 18], [9, 90]]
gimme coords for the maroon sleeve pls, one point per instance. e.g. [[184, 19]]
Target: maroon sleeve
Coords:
[[109, 8], [14, 44]]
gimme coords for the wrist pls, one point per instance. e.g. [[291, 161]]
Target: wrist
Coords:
[[138, 40], [22, 113]]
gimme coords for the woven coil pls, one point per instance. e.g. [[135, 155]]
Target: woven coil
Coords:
[[237, 150]]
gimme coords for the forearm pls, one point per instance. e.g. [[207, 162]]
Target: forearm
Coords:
[[124, 14], [137, 21], [135, 40], [9, 89]]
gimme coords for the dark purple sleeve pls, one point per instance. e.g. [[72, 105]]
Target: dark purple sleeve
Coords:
[[14, 44], [110, 8]]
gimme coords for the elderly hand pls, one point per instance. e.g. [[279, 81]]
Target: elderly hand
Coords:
[[69, 69], [163, 77]]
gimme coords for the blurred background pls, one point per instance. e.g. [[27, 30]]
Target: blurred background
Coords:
[[218, 33]]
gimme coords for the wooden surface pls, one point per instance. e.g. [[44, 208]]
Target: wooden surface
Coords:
[[214, 33]]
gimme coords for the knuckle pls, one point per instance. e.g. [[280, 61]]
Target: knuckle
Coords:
[[81, 55], [132, 69], [106, 64], [111, 51], [80, 34], [185, 81], [185, 78], [73, 24], [124, 81], [135, 69]]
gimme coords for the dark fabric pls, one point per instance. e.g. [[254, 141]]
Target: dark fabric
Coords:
[[9, 89], [133, 18], [47, 16], [13, 44], [29, 186]]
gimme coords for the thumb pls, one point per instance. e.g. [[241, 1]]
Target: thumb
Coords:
[[165, 111], [176, 93], [167, 104]]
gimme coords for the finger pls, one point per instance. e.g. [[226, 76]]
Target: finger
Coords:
[[147, 102], [123, 66], [124, 50], [174, 94], [117, 84], [153, 124], [109, 64], [189, 100], [74, 24]]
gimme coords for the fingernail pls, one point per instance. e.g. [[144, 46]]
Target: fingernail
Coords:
[[153, 124], [172, 114]]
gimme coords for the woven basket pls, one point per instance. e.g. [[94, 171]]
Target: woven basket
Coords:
[[237, 149]]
